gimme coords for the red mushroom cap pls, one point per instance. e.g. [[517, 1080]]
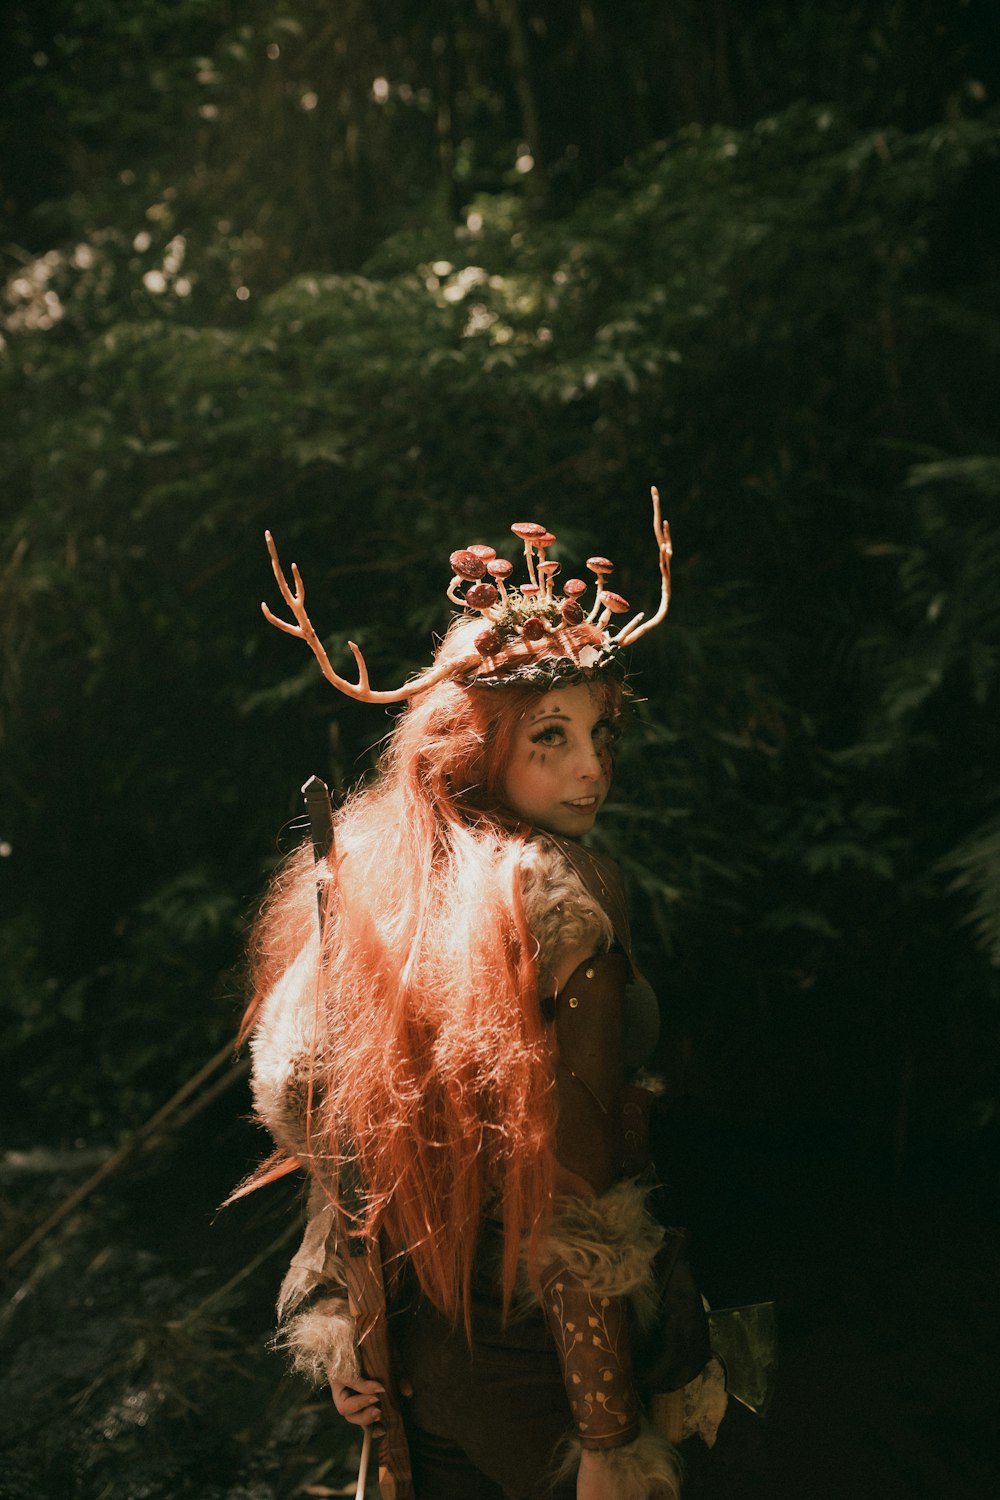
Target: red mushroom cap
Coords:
[[600, 565], [548, 567], [528, 530], [500, 567], [488, 643], [533, 628], [572, 612], [481, 596], [528, 590], [614, 602], [467, 565], [574, 587], [545, 540], [480, 550]]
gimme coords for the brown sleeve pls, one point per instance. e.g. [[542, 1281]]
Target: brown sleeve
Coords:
[[589, 1323]]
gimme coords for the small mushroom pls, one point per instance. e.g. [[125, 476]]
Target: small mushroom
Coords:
[[546, 572], [499, 569], [529, 532], [574, 587], [529, 590], [467, 565], [488, 643], [572, 612], [602, 566], [611, 604], [542, 544], [533, 628], [481, 596], [484, 553]]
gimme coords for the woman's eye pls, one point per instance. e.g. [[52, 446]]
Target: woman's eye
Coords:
[[606, 734], [551, 736]]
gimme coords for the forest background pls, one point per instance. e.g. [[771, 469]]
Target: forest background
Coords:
[[385, 279]]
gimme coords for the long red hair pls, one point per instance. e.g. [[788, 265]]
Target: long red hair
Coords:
[[430, 1069]]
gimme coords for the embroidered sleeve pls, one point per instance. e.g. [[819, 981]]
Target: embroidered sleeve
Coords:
[[591, 1338], [597, 1275]]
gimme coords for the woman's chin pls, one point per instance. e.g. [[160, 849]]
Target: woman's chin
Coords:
[[569, 820]]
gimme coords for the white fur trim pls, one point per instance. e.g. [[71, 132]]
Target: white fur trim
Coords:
[[321, 1342], [561, 914], [298, 1284], [647, 1469], [610, 1243], [705, 1402], [281, 1048]]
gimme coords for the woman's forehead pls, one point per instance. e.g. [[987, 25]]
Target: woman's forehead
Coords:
[[577, 702]]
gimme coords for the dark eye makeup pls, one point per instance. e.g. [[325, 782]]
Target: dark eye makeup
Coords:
[[551, 734], [604, 732]]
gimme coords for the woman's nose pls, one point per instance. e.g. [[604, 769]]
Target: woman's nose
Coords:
[[588, 765]]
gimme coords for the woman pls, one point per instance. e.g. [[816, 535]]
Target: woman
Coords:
[[449, 1058]]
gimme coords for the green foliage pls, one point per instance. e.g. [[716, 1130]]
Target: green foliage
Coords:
[[790, 327], [977, 866]]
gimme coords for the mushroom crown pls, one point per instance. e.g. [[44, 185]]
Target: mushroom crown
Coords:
[[529, 633], [532, 618]]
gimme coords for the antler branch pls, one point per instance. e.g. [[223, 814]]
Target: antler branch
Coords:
[[661, 531], [361, 691]]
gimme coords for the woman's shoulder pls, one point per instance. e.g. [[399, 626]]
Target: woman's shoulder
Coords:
[[598, 873], [555, 869]]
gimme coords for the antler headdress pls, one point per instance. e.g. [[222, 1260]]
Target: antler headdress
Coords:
[[530, 634]]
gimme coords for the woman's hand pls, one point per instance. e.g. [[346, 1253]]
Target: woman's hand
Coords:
[[359, 1401]]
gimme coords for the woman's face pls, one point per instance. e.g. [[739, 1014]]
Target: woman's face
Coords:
[[559, 771]]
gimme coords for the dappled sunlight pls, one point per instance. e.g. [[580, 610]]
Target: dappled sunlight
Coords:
[[33, 304]]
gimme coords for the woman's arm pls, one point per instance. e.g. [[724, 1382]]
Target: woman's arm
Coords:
[[596, 1278], [597, 1260]]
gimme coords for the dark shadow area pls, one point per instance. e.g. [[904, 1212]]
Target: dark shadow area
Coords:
[[137, 1364]]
